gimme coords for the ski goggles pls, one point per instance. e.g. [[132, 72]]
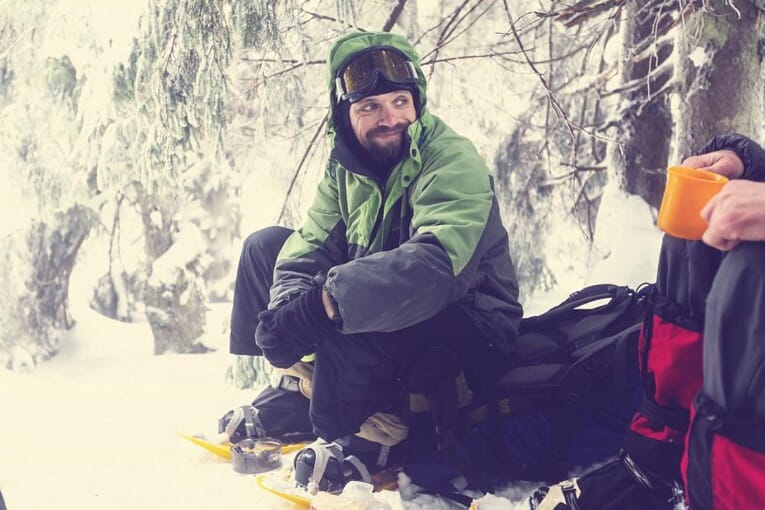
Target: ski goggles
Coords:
[[359, 77]]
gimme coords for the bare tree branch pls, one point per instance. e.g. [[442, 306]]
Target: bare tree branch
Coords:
[[586, 9], [663, 70], [551, 98], [286, 70], [324, 17], [492, 54], [394, 15], [442, 36]]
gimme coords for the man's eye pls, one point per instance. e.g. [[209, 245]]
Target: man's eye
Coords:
[[401, 101], [368, 107]]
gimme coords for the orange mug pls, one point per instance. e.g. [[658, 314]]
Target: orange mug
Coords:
[[687, 191]]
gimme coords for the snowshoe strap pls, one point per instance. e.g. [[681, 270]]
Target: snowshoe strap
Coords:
[[321, 456], [323, 452], [288, 383], [248, 415], [568, 488], [252, 422], [382, 457], [360, 467]]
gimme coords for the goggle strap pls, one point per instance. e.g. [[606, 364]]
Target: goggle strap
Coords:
[[412, 70], [339, 89]]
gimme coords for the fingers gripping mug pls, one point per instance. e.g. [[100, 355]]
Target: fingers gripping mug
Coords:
[[687, 192]]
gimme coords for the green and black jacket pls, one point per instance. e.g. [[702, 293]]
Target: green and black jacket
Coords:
[[397, 253]]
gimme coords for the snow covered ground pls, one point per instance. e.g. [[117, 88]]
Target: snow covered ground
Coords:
[[97, 426]]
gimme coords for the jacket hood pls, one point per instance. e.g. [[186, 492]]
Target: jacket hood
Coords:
[[354, 42]]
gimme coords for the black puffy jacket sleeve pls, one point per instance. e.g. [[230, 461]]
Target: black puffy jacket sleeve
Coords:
[[747, 149]]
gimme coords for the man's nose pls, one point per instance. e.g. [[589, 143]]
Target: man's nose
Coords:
[[387, 116]]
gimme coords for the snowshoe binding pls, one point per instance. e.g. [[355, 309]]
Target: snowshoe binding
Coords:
[[329, 466], [278, 411]]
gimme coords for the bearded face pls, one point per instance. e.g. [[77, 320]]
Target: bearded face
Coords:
[[380, 123]]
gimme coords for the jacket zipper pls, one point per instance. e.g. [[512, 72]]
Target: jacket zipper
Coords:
[[378, 220]]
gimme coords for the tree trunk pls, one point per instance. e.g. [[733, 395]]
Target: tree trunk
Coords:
[[526, 205], [175, 308], [36, 297], [173, 294], [721, 76], [645, 132]]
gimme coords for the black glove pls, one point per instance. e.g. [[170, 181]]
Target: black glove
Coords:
[[291, 331]]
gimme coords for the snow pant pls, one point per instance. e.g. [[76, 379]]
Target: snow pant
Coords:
[[703, 342], [357, 375]]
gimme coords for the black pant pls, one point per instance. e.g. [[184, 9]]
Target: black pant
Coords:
[[359, 374]]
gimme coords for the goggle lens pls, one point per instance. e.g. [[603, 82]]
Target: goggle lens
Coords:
[[359, 75]]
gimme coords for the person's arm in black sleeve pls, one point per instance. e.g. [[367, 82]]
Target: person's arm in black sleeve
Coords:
[[748, 151]]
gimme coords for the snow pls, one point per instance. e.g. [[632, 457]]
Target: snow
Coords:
[[188, 245]]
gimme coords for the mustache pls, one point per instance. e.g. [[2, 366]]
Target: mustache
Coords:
[[382, 130]]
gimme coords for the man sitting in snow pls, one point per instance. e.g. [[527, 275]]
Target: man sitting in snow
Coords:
[[400, 277], [702, 421]]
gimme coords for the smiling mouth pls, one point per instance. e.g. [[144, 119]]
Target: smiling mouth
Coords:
[[388, 134]]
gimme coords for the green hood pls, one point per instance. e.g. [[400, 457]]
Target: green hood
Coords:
[[358, 41]]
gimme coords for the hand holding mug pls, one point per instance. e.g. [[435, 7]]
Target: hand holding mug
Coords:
[[725, 162], [736, 214]]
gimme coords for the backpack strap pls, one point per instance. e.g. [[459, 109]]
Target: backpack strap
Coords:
[[577, 300], [673, 417], [444, 409]]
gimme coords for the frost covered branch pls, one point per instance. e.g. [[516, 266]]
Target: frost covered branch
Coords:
[[553, 101]]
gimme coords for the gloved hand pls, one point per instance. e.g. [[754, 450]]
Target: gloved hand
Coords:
[[290, 332]]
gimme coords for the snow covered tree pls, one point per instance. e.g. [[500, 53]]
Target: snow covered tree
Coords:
[[171, 97], [642, 123], [36, 143], [551, 167]]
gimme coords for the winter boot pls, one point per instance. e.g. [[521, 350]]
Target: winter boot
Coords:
[[328, 466], [279, 411]]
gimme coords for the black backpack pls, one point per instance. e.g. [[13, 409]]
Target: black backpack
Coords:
[[581, 348], [587, 339]]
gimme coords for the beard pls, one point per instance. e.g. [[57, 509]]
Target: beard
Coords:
[[389, 153]]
